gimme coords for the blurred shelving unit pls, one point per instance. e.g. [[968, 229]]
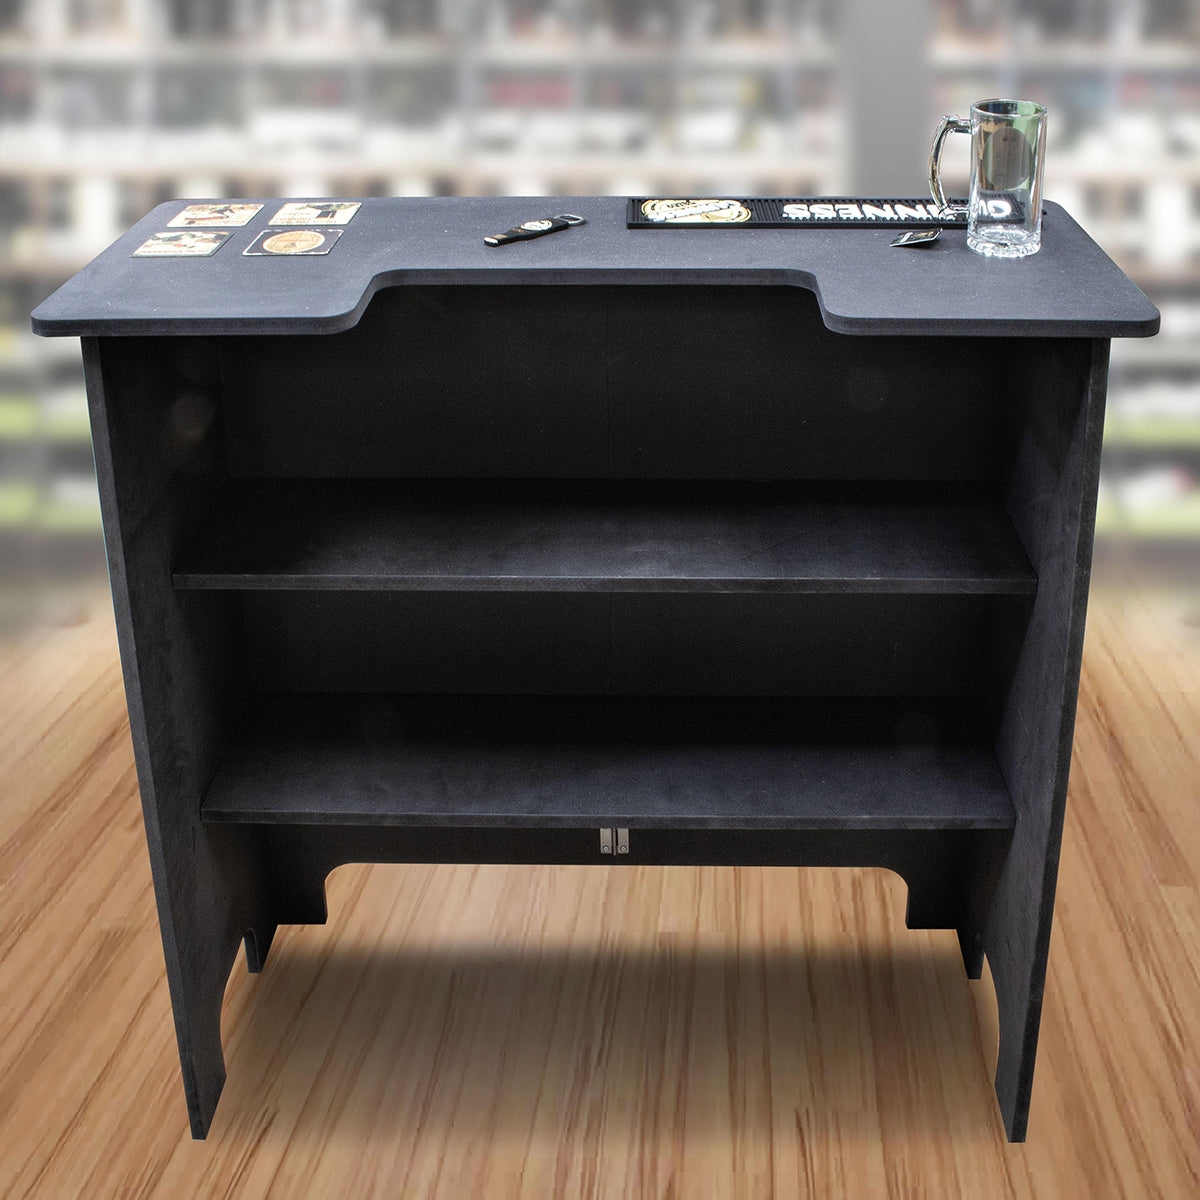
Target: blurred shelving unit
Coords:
[[108, 107], [1122, 81]]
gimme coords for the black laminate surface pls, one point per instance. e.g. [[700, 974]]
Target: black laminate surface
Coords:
[[610, 536], [607, 382], [863, 284], [557, 762]]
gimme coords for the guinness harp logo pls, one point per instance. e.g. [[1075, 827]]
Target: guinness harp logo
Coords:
[[718, 212]]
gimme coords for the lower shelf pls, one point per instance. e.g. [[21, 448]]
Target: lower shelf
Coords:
[[640, 762]]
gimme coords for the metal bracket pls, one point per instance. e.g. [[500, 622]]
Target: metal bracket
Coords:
[[614, 839]]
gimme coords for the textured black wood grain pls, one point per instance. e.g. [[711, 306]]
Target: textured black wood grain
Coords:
[[160, 462], [735, 763], [635, 536], [627, 382], [940, 866], [656, 643], [1056, 425], [1069, 288]]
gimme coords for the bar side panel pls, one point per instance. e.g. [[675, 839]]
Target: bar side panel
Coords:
[[1058, 416], [154, 410]]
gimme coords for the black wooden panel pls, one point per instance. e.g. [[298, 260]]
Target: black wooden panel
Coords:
[[747, 383], [1056, 419], [803, 645], [595, 643], [510, 761], [160, 464], [650, 382], [619, 536], [454, 382], [427, 641]]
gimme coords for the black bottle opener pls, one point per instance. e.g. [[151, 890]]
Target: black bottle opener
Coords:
[[532, 229]]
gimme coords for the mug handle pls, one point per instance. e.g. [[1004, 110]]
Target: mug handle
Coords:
[[945, 208]]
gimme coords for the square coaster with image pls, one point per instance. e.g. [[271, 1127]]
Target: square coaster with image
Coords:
[[278, 242], [317, 212], [229, 216], [188, 243]]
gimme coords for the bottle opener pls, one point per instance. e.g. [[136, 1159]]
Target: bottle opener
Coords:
[[533, 229]]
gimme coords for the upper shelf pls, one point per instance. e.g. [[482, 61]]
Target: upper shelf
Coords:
[[863, 285], [645, 537]]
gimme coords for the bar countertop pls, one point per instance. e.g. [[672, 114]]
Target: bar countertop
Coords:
[[863, 285]]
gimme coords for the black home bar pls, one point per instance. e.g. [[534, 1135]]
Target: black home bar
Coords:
[[762, 546]]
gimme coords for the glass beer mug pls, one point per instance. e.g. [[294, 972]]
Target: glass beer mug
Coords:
[[1008, 149]]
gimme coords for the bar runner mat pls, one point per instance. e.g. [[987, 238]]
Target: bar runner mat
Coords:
[[829, 212]]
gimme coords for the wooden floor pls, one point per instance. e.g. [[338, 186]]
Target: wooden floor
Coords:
[[482, 1032]]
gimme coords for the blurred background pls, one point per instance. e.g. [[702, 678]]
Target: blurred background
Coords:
[[108, 107]]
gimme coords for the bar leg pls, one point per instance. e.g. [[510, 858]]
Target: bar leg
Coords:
[[199, 959], [202, 1061], [197, 997], [987, 864], [258, 944], [1020, 1011], [970, 943]]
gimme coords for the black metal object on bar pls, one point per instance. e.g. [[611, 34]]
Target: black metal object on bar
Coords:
[[536, 228]]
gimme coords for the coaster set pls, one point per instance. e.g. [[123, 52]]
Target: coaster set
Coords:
[[200, 230]]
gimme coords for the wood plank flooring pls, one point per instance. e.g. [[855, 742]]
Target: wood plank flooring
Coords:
[[610, 1030]]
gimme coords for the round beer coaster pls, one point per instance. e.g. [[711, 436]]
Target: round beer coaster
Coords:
[[302, 241], [294, 241], [717, 212]]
